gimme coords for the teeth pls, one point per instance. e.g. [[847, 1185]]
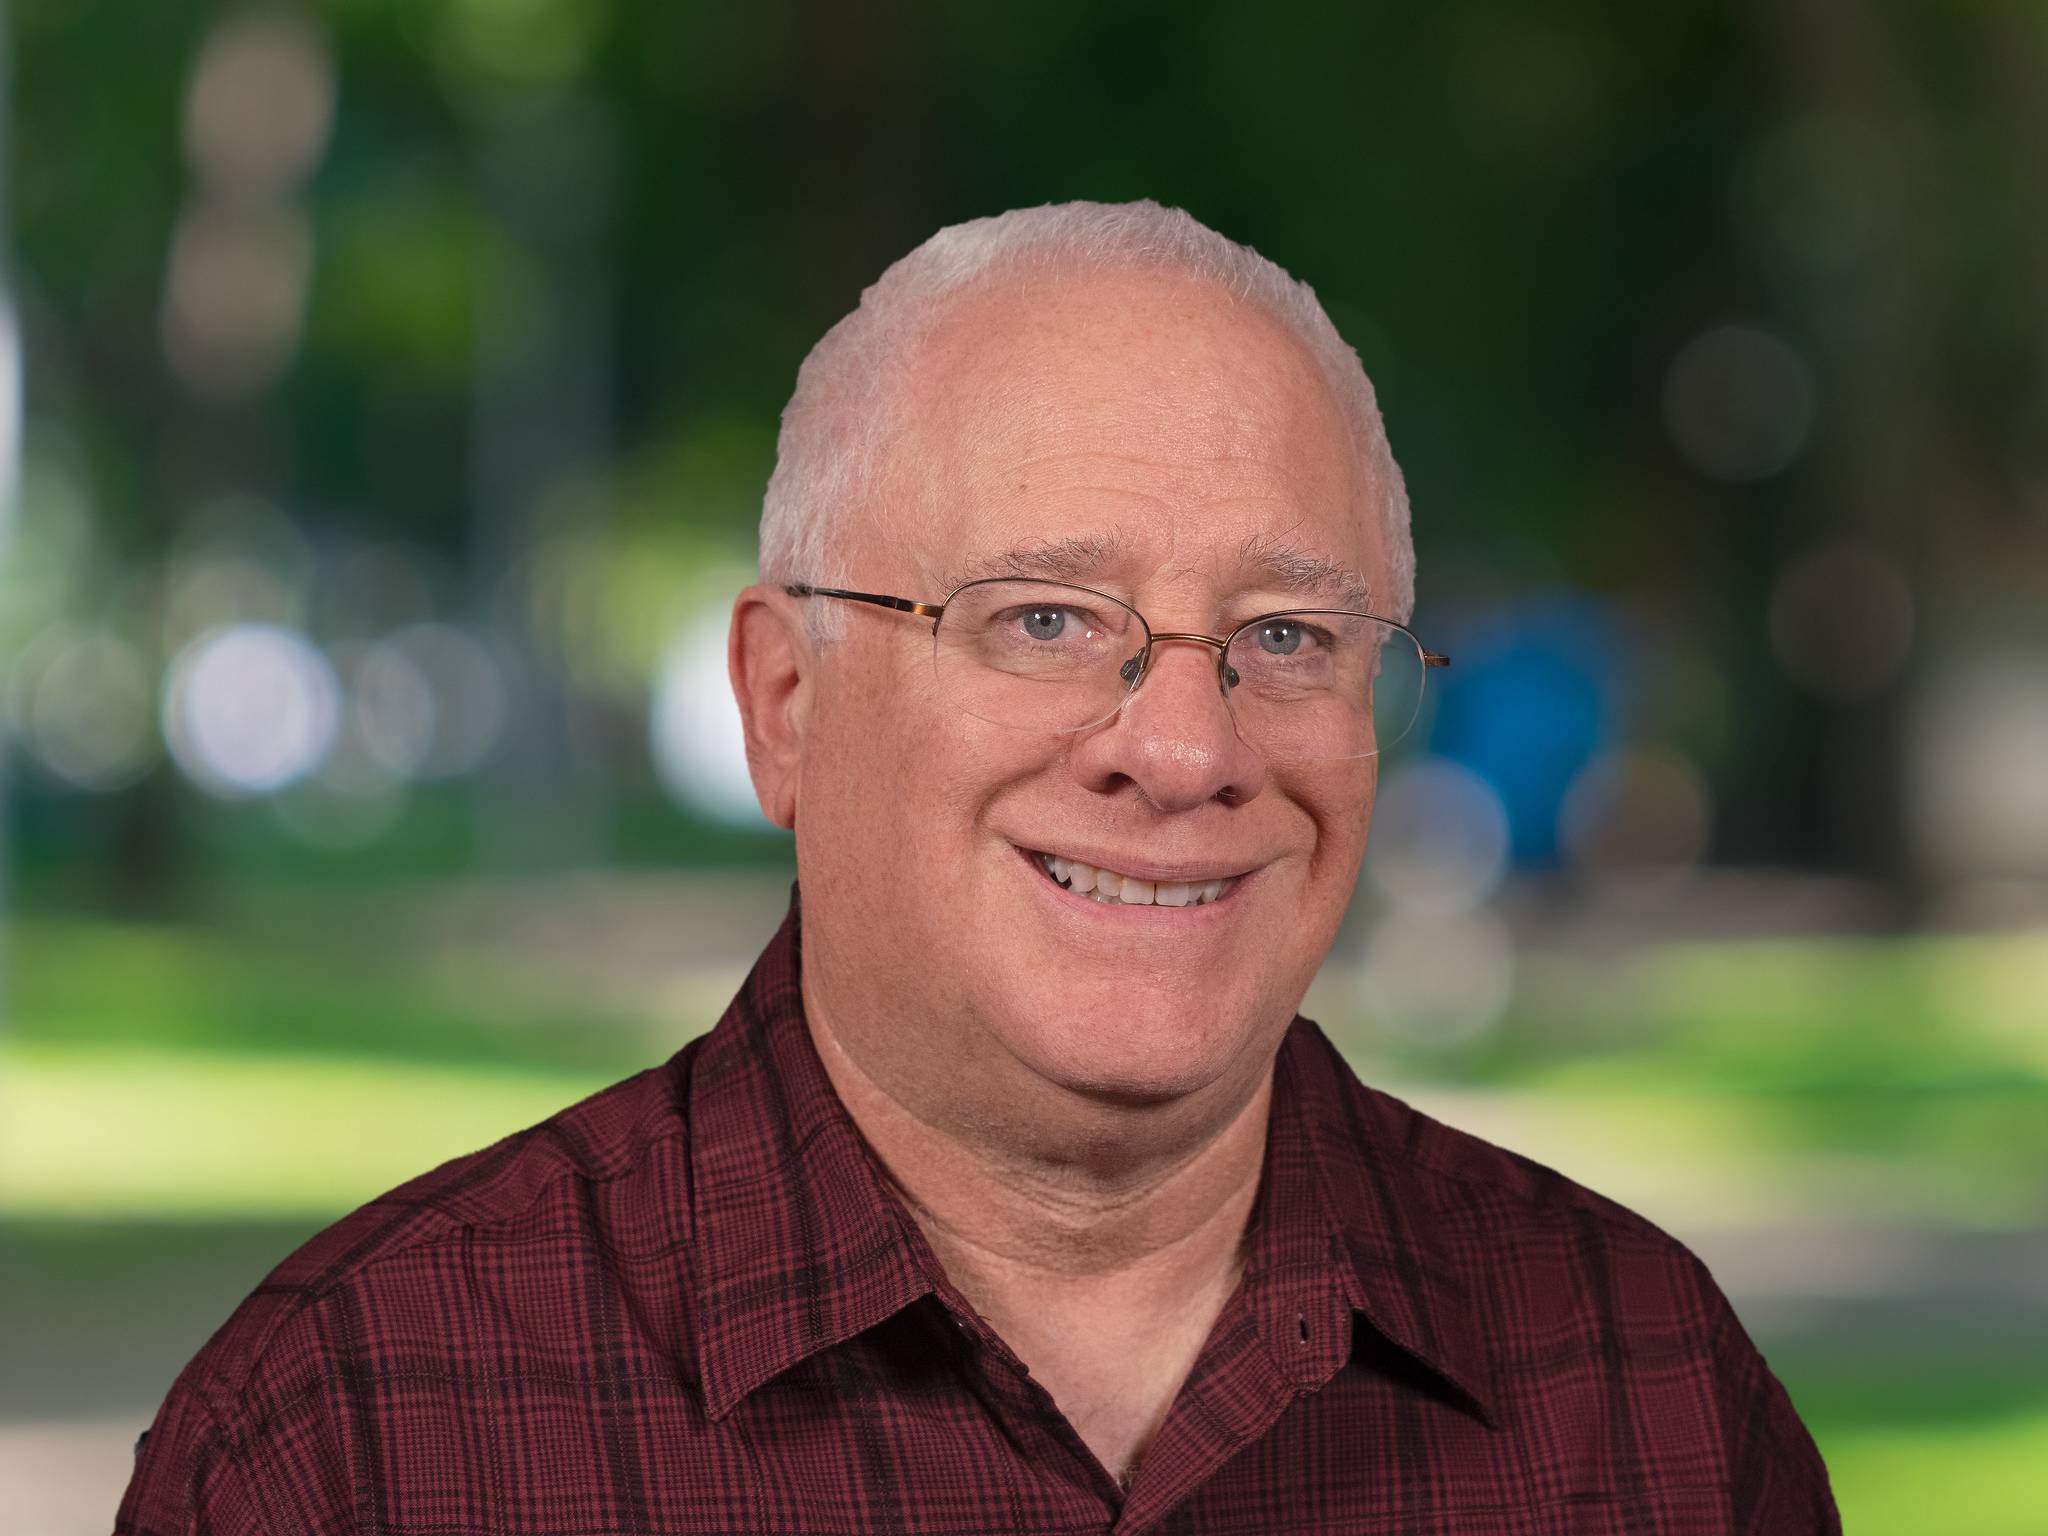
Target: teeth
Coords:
[[1109, 886]]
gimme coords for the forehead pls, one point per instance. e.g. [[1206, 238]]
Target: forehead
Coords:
[[1143, 429]]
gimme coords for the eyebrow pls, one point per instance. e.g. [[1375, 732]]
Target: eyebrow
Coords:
[[1303, 572], [1068, 559], [1083, 558]]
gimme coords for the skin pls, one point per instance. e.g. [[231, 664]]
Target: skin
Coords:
[[1071, 1098]]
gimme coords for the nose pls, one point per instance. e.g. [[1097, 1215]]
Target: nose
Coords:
[[1174, 738]]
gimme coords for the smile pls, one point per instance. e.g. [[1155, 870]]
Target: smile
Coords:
[[1114, 889]]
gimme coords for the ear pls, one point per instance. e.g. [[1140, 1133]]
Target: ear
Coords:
[[770, 657]]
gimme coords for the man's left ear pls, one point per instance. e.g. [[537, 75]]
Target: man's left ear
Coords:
[[770, 657]]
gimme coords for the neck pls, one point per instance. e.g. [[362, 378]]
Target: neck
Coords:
[[1115, 1190]]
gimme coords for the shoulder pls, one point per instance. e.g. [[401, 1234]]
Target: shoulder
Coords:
[[1479, 1195], [396, 1284], [1491, 1194], [1591, 1319], [1539, 1265]]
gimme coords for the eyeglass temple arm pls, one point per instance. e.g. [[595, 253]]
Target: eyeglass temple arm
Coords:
[[1433, 659], [900, 604]]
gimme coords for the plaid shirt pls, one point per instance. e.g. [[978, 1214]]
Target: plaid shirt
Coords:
[[689, 1304]]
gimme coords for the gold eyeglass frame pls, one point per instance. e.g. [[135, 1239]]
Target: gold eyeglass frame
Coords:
[[1132, 671]]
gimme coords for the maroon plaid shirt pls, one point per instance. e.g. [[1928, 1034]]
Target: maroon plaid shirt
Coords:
[[689, 1304]]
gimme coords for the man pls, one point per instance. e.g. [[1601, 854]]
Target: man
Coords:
[[1011, 1195]]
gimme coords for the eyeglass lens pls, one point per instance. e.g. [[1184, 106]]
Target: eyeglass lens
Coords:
[[1302, 687]]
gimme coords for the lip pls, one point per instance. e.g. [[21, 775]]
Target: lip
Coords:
[[1116, 911], [1137, 868]]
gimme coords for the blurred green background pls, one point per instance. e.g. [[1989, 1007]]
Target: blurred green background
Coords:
[[386, 392]]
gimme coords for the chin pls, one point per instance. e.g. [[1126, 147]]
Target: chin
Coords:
[[1148, 1054]]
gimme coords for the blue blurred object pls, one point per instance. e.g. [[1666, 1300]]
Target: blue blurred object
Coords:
[[1530, 700]]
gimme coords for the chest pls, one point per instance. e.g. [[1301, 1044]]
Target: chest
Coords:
[[1114, 1379], [907, 1429]]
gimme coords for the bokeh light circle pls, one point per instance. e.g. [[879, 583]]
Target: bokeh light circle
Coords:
[[1638, 808], [1438, 980], [1738, 403], [1842, 621], [85, 708], [1440, 837], [250, 708], [443, 697]]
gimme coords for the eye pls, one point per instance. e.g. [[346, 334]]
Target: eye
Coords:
[[1281, 637], [1044, 623]]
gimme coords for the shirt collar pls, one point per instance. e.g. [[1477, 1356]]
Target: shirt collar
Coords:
[[799, 1246], [1394, 1258]]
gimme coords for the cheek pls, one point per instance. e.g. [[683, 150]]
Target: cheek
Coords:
[[1338, 799], [887, 784], [853, 772]]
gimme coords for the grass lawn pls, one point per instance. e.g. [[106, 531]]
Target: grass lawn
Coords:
[[1973, 1477], [119, 1132]]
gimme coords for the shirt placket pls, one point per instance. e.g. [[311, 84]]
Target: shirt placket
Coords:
[[1061, 1486]]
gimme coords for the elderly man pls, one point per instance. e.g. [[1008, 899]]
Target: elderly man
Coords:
[[1010, 1194]]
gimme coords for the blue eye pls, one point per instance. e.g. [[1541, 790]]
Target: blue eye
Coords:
[[1045, 623], [1280, 638]]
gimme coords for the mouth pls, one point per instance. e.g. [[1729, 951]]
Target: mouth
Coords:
[[1116, 889]]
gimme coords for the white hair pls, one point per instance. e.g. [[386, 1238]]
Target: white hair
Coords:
[[851, 401]]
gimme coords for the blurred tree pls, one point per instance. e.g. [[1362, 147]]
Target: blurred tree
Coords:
[[565, 258]]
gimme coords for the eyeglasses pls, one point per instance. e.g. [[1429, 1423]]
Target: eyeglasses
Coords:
[[1308, 685]]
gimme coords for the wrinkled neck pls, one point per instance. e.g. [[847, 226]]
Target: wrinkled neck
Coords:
[[1111, 1190]]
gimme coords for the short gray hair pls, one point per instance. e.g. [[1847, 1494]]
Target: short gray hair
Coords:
[[850, 400]]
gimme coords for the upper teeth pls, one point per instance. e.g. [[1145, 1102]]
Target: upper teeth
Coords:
[[1108, 885]]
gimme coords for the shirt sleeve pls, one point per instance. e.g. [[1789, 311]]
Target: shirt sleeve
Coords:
[[187, 1479], [1778, 1485]]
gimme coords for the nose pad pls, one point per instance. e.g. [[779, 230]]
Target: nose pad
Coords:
[[1134, 669]]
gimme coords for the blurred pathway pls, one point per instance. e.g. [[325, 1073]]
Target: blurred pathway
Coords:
[[64, 1479]]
